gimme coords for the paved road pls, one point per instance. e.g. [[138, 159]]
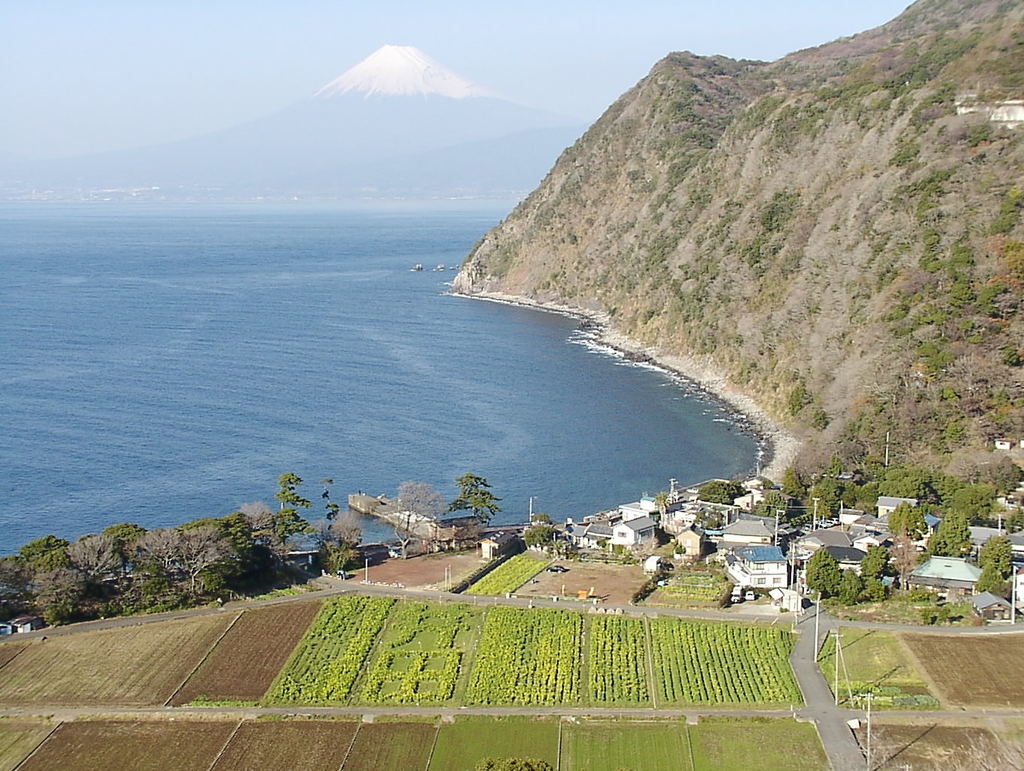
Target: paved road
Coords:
[[839, 742]]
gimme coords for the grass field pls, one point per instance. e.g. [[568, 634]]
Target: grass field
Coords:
[[135, 665], [248, 658], [528, 657], [974, 670], [721, 664], [298, 745], [325, 664], [876, 662], [467, 741], [18, 739], [593, 745], [140, 746], [9, 650], [380, 746], [741, 744], [420, 657], [510, 575]]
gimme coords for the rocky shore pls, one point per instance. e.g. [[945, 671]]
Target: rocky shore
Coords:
[[778, 447]]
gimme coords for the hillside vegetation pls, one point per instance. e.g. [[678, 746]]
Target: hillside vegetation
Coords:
[[825, 231]]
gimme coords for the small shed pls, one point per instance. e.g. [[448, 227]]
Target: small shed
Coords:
[[653, 564], [27, 623], [1004, 444], [991, 607], [496, 544]]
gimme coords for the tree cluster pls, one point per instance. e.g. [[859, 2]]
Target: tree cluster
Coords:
[[128, 569]]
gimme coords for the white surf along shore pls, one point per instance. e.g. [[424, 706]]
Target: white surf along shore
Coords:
[[778, 447]]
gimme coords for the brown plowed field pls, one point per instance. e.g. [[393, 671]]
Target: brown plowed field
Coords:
[[298, 745], [931, 746], [391, 745], [973, 670], [248, 658], [140, 746], [128, 666]]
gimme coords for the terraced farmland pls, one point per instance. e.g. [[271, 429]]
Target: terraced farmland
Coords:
[[421, 654], [135, 665], [724, 664], [510, 575], [330, 657], [528, 657]]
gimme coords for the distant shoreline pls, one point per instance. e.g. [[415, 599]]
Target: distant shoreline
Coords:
[[777, 447]]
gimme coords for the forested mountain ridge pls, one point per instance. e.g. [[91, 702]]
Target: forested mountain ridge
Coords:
[[838, 233]]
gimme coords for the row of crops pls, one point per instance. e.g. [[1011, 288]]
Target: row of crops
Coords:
[[376, 651], [528, 657], [700, 663], [510, 575]]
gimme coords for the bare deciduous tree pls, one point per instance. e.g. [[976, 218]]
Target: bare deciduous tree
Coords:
[[200, 548], [96, 556], [417, 501]]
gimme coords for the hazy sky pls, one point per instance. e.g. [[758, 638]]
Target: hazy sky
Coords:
[[78, 77]]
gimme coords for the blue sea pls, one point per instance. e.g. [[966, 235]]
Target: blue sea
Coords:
[[160, 363]]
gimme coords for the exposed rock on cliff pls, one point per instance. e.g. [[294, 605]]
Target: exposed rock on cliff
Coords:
[[826, 231]]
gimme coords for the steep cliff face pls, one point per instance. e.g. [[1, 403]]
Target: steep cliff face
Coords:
[[838, 232]]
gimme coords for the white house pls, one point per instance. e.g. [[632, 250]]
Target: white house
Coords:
[[762, 567], [630, 532]]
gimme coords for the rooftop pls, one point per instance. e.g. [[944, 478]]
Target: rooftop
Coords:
[[749, 528], [761, 554], [948, 569]]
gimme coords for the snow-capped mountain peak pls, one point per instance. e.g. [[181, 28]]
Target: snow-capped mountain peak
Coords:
[[401, 71]]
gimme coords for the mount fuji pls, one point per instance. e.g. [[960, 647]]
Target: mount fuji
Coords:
[[397, 124]]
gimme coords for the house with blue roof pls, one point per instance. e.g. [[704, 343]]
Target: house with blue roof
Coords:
[[759, 567]]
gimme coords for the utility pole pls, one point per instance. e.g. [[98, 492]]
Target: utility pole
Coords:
[[870, 696], [366, 571], [836, 654], [814, 523], [531, 510], [776, 527], [1013, 594], [887, 449], [817, 614]]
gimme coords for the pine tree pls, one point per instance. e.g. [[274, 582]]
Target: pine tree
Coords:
[[823, 574], [953, 538], [850, 588]]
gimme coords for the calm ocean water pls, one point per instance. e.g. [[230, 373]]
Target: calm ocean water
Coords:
[[161, 363]]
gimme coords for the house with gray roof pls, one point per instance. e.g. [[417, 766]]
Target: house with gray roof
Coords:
[[630, 532], [991, 607], [748, 531], [886, 504], [954, 577], [848, 557]]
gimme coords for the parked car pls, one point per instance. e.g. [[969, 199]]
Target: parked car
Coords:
[[558, 569], [749, 595], [737, 594]]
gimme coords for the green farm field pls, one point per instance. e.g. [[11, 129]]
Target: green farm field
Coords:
[[598, 745], [421, 656], [131, 666], [528, 656], [329, 658], [510, 575], [876, 662], [740, 744], [467, 741], [722, 664]]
